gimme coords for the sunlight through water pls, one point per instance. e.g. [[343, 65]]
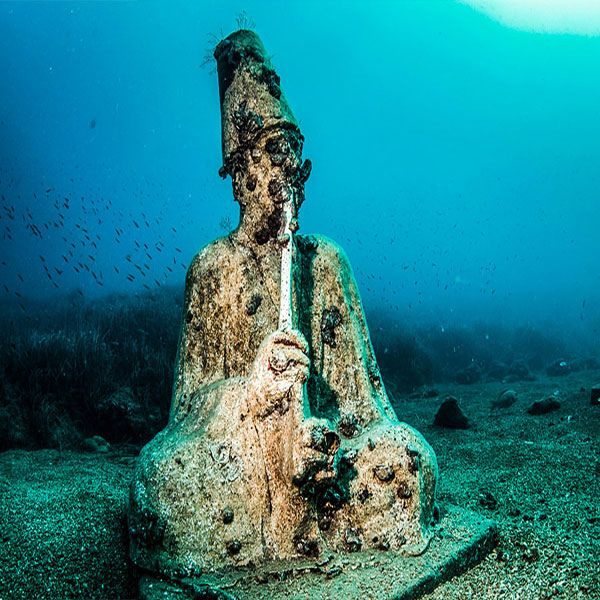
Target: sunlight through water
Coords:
[[580, 17]]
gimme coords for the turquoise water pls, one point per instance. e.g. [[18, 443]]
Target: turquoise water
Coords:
[[455, 158]]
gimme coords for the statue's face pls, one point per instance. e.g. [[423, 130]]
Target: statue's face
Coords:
[[272, 172]]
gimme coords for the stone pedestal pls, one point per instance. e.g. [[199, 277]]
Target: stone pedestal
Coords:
[[461, 540]]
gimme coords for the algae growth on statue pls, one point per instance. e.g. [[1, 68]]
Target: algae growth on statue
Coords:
[[281, 443]]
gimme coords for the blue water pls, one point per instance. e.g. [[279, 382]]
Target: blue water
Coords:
[[455, 158]]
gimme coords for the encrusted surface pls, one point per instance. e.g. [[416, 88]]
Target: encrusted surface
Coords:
[[462, 539], [281, 443], [305, 469]]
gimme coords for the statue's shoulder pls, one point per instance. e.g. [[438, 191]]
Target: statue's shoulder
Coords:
[[211, 258], [323, 251]]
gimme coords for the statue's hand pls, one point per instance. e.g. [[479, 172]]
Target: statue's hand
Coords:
[[280, 369]]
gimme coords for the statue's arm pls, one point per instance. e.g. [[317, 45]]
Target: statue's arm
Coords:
[[354, 350], [201, 338]]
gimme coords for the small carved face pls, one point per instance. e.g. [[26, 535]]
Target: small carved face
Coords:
[[274, 169], [266, 174]]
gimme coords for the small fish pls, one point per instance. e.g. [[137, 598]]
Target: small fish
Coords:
[[34, 229]]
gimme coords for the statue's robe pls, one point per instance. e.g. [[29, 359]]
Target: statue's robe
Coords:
[[232, 304], [209, 463]]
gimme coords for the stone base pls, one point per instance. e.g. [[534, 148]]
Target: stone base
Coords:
[[462, 539]]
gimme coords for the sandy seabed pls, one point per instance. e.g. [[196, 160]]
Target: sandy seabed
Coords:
[[63, 527]]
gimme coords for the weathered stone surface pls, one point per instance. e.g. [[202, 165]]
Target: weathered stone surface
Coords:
[[544, 406], [246, 436], [451, 415], [281, 443], [461, 541]]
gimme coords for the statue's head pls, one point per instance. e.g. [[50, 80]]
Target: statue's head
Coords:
[[261, 140]]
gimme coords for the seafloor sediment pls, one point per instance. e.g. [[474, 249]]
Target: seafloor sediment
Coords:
[[62, 515]]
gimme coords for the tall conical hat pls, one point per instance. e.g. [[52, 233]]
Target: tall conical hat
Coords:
[[252, 103]]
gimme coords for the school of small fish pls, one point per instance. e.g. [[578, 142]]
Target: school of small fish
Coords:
[[76, 239]]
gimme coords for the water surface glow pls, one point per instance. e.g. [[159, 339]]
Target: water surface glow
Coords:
[[544, 16]]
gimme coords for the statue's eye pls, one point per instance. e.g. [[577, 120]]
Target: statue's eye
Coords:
[[295, 145], [278, 150], [276, 145]]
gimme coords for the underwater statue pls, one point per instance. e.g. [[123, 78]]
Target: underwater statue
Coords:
[[281, 443]]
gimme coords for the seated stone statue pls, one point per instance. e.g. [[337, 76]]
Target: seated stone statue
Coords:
[[281, 441]]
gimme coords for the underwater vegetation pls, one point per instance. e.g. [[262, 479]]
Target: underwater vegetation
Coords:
[[415, 355], [79, 368], [76, 369]]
